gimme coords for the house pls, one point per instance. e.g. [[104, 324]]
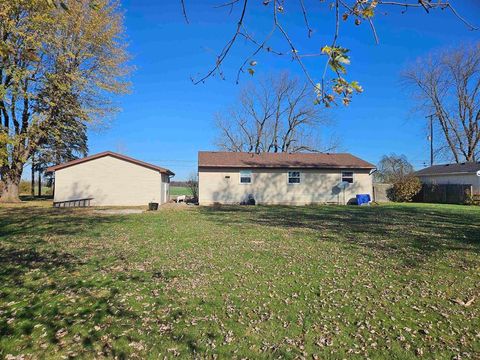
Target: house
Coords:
[[467, 173], [281, 178], [109, 178]]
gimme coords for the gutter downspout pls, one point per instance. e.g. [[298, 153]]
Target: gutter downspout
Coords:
[[373, 171]]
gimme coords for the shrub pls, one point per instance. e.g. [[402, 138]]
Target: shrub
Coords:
[[25, 187], [250, 200], [192, 184], [406, 188], [472, 199]]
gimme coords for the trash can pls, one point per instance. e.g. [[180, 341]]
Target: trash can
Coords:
[[363, 199], [152, 206]]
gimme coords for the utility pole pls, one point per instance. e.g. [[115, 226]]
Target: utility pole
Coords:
[[431, 137]]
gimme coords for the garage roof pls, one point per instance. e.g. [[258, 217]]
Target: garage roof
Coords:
[[112, 154]]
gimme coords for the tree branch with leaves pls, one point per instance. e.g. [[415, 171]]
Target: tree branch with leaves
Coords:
[[333, 86]]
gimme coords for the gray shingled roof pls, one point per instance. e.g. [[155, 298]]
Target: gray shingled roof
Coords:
[[468, 168]]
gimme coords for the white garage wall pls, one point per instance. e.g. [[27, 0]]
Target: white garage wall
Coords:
[[110, 181]]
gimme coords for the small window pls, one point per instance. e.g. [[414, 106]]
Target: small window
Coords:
[[294, 177], [245, 177], [347, 176]]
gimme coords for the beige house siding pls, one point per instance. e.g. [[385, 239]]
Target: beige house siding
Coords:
[[462, 179], [111, 181], [270, 186]]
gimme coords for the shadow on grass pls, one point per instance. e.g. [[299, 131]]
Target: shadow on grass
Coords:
[[23, 234], [39, 221], [50, 295], [36, 197], [43, 286], [410, 232]]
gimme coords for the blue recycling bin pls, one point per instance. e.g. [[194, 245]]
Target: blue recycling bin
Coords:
[[363, 199]]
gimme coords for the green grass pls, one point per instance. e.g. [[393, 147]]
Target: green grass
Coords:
[[180, 190], [322, 282]]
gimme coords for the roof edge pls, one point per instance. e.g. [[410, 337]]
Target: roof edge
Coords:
[[287, 167], [473, 172], [112, 154]]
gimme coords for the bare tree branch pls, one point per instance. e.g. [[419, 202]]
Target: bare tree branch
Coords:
[[448, 84], [276, 115], [337, 58], [227, 47], [305, 18], [290, 43], [184, 11]]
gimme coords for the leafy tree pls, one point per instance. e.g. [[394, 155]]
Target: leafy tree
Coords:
[[277, 114], [58, 70], [392, 168], [65, 143], [447, 84], [332, 86]]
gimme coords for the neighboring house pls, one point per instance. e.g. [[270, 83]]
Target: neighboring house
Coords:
[[109, 178], [462, 174], [281, 178]]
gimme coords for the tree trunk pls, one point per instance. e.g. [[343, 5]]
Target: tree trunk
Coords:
[[39, 183], [10, 191], [11, 180], [32, 190]]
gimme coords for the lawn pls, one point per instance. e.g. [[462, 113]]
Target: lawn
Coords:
[[319, 282], [180, 190]]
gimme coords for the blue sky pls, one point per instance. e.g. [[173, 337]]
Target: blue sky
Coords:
[[166, 119]]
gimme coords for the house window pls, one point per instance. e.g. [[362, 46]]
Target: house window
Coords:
[[245, 177], [347, 176], [294, 177]]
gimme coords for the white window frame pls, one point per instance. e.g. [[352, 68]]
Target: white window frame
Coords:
[[249, 175], [345, 176], [299, 177]]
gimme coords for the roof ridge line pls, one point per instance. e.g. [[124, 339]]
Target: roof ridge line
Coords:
[[113, 154]]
